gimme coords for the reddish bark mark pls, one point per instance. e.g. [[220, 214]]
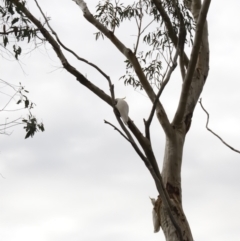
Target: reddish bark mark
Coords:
[[172, 191]]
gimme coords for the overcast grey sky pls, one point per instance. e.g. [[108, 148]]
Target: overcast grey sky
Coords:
[[79, 180]]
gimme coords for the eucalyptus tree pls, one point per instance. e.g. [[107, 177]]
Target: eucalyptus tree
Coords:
[[165, 27]]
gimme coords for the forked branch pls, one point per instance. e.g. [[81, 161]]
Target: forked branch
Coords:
[[163, 119], [115, 128], [192, 63], [233, 149], [68, 49]]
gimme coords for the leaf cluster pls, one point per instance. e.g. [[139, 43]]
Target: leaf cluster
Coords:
[[32, 126], [30, 122], [15, 26], [156, 43], [24, 99]]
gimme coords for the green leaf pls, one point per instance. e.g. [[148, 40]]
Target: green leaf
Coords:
[[26, 103], [15, 20], [28, 134], [5, 40]]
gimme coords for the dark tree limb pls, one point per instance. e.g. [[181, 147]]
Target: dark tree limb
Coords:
[[68, 49], [149, 120], [115, 128], [233, 149]]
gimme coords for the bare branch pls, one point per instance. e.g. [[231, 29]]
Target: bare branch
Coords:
[[10, 100], [233, 149], [147, 26], [8, 127], [67, 49], [139, 25], [172, 68], [115, 128]]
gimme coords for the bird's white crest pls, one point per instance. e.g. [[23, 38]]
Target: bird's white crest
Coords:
[[155, 217], [153, 201], [123, 109]]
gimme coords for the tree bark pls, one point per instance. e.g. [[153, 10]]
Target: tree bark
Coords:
[[171, 175], [171, 171]]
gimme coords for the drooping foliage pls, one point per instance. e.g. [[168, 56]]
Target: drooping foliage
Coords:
[[17, 94], [153, 47], [17, 28]]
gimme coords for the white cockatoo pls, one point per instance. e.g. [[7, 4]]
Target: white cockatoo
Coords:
[[155, 216], [123, 109]]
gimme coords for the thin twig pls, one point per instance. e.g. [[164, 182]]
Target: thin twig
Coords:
[[11, 126], [66, 48], [167, 21], [139, 25], [13, 121], [10, 100], [233, 149], [115, 128], [148, 122], [147, 26]]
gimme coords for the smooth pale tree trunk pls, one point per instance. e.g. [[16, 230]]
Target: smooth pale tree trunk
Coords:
[[171, 174], [171, 170]]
